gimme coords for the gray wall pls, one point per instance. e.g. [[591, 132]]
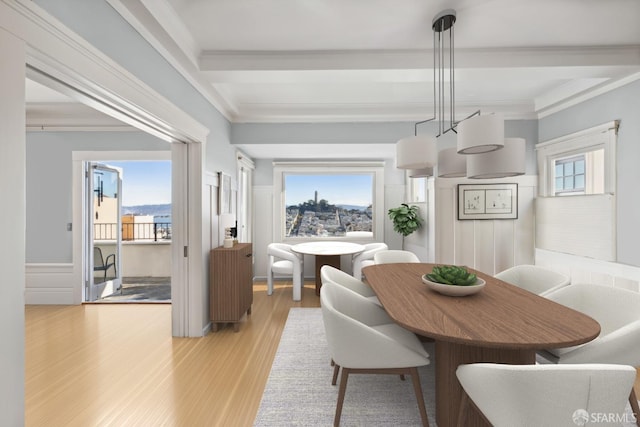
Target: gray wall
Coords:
[[49, 185], [621, 104], [360, 133]]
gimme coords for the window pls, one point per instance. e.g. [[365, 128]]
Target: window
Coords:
[[569, 175], [580, 163], [329, 200], [582, 174]]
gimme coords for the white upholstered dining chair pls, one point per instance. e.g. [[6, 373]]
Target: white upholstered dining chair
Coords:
[[361, 341], [337, 276], [544, 395], [283, 261], [365, 258], [394, 256], [533, 278], [618, 313]]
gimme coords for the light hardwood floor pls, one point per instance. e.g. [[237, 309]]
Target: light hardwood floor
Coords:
[[117, 364]]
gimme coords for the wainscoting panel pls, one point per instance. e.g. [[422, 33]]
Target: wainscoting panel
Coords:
[[588, 270], [487, 245], [50, 284]]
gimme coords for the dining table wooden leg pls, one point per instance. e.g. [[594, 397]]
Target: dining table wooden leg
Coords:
[[449, 391], [332, 260]]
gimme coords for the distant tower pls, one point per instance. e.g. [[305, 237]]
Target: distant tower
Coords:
[[316, 200]]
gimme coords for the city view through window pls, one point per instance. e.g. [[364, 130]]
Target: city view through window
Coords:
[[328, 205]]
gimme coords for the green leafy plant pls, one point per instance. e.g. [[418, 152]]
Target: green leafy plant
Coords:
[[405, 219], [452, 275]]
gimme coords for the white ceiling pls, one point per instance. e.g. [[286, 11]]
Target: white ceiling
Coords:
[[371, 60]]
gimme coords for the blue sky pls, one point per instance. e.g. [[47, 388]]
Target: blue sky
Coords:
[[348, 189], [145, 182]]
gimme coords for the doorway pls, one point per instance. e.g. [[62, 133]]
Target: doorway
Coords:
[[127, 226], [103, 270]]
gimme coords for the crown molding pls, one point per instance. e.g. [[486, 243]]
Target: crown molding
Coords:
[[141, 15], [59, 58]]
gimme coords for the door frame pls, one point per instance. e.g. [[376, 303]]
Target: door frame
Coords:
[[59, 58]]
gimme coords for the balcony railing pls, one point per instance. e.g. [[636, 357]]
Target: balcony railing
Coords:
[[146, 231]]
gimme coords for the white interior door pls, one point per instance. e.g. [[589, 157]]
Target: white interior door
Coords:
[[103, 231]]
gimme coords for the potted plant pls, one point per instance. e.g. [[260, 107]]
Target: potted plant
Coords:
[[405, 219]]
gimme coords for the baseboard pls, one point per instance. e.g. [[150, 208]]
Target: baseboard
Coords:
[[50, 284]]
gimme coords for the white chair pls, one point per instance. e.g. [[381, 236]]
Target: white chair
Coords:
[[544, 395], [533, 278], [365, 258], [394, 256], [618, 312], [283, 261], [361, 341], [339, 277]]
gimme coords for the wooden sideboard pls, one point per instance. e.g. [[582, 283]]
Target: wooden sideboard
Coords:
[[230, 284]]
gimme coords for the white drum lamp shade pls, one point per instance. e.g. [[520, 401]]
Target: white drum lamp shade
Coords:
[[509, 161], [420, 173], [481, 134], [416, 152], [451, 164]]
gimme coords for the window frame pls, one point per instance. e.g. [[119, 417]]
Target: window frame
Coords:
[[599, 137], [280, 169]]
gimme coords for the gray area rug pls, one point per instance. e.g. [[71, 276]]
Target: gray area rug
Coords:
[[299, 390]]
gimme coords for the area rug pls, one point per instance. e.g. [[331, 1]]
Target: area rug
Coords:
[[299, 390]]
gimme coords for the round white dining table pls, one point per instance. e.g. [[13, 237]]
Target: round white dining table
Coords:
[[327, 253]]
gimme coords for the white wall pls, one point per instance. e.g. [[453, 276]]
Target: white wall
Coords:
[[12, 217], [486, 245]]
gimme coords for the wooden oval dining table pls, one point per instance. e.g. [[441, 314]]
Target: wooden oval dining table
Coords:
[[500, 324]]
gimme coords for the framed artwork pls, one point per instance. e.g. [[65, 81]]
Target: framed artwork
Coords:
[[487, 201], [224, 193]]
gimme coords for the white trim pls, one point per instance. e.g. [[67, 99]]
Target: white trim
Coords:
[[67, 128], [62, 58], [589, 94], [144, 16], [377, 168], [601, 136], [49, 283]]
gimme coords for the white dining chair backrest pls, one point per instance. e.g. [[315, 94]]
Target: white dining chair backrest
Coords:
[[329, 273], [285, 262], [533, 278], [545, 395], [617, 311], [365, 257], [361, 340], [394, 256]]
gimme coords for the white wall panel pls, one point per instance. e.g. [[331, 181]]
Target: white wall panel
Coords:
[[487, 245], [263, 228], [587, 270]]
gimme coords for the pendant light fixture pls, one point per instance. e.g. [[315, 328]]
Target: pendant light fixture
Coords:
[[506, 162], [451, 164], [477, 135], [420, 152], [420, 173], [481, 134]]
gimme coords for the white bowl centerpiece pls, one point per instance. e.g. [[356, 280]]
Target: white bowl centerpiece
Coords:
[[453, 280]]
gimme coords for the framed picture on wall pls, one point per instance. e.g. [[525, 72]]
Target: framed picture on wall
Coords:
[[487, 201], [224, 193]]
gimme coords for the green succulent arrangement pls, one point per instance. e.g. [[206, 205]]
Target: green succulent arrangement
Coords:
[[405, 219], [452, 275]]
